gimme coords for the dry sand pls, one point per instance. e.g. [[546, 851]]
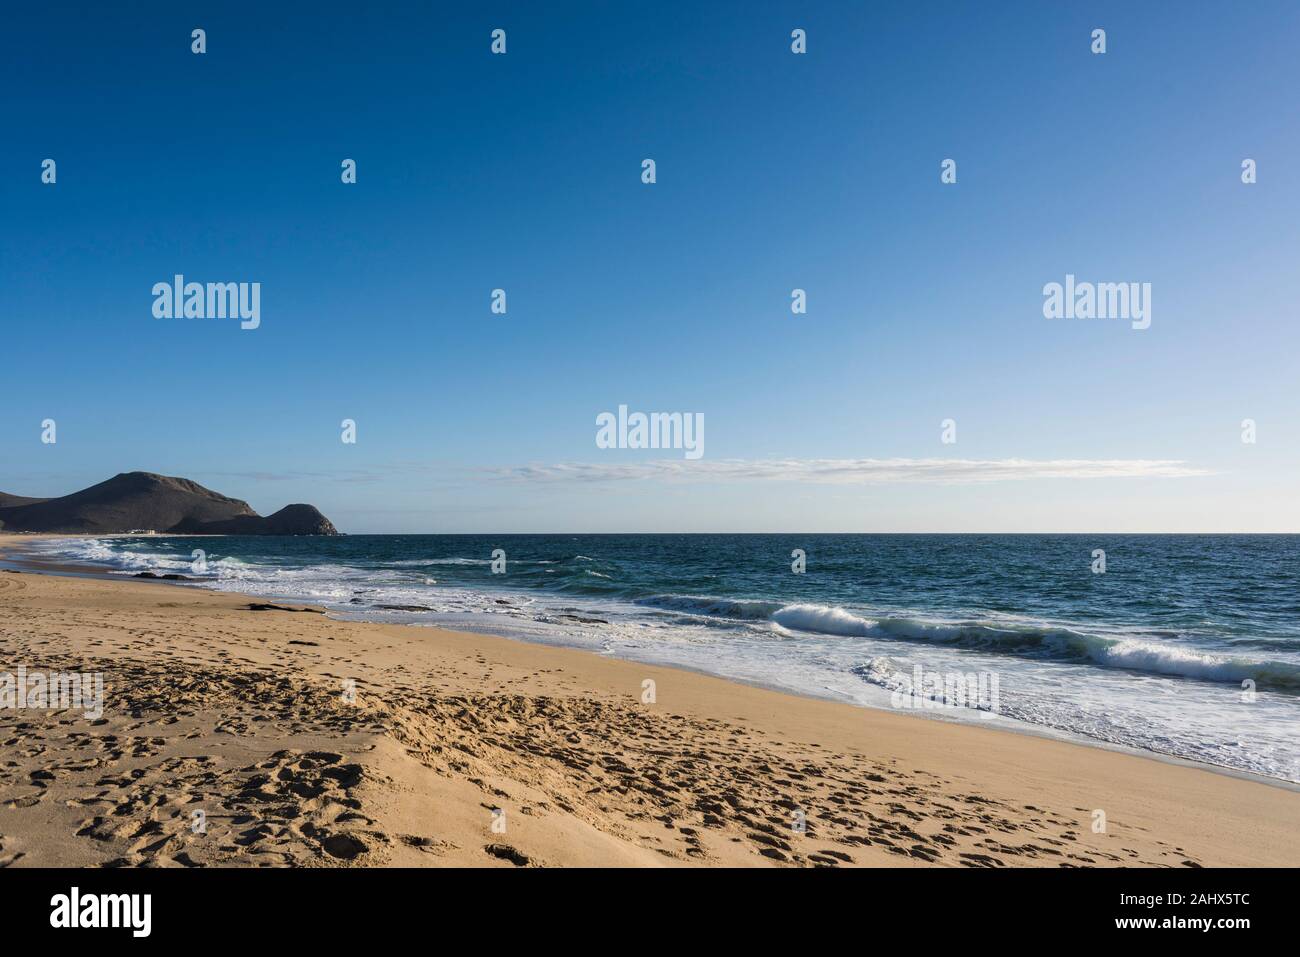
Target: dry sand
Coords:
[[242, 714]]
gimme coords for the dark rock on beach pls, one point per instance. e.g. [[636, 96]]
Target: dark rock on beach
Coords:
[[267, 606]]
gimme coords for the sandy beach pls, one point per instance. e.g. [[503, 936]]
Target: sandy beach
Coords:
[[467, 750]]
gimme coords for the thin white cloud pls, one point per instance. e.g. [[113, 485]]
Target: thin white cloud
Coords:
[[851, 471]]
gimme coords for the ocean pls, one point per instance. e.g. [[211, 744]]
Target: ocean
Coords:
[[1186, 645]]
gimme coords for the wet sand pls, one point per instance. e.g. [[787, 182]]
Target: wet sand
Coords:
[[308, 741]]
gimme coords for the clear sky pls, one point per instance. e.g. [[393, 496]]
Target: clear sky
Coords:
[[775, 171]]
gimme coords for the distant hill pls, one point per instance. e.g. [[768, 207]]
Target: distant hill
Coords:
[[135, 501], [7, 500]]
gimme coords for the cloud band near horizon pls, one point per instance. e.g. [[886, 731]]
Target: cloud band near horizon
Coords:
[[851, 471]]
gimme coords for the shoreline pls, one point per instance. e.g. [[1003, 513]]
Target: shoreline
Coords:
[[449, 722], [949, 716]]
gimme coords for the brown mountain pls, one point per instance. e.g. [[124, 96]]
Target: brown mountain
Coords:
[[136, 501]]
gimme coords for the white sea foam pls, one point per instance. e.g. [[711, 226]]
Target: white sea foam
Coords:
[[1144, 690], [1107, 652], [824, 620], [421, 562]]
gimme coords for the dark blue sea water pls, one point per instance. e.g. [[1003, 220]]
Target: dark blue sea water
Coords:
[[1187, 645]]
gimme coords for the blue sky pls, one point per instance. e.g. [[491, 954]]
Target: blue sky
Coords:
[[775, 171]]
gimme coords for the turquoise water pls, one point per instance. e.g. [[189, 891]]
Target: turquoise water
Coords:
[[1187, 645]]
